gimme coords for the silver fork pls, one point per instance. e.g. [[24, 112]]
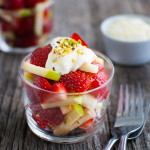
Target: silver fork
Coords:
[[129, 118]]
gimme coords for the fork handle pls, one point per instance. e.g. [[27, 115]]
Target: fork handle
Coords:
[[123, 142], [110, 144]]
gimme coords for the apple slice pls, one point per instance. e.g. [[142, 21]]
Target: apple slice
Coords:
[[29, 77], [87, 67], [68, 100], [39, 11], [46, 73], [69, 119], [65, 109], [88, 114], [87, 101], [99, 60]]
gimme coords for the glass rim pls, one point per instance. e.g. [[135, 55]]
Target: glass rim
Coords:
[[80, 93], [14, 12]]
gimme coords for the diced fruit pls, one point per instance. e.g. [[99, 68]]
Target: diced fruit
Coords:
[[77, 81], [100, 66], [29, 77], [69, 100], [99, 108], [13, 4], [69, 119], [32, 3], [25, 13], [88, 114], [25, 26], [87, 124], [52, 117], [76, 37], [51, 97], [25, 41], [46, 73], [41, 82], [88, 101], [40, 55], [99, 79], [78, 99], [99, 60], [65, 109], [48, 25], [39, 19], [87, 67]]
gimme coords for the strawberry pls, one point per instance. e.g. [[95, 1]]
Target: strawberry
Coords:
[[53, 97], [39, 56], [87, 124], [13, 4], [47, 25], [99, 79], [25, 41], [41, 82], [25, 26], [32, 3], [76, 37], [46, 117], [77, 81]]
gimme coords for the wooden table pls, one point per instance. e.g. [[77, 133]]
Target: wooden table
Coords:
[[83, 17]]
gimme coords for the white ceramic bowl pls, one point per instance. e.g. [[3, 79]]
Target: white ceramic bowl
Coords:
[[125, 52]]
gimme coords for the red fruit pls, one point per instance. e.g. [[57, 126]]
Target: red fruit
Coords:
[[99, 79], [47, 25], [25, 41], [6, 26], [76, 37], [87, 124], [32, 3], [24, 26], [47, 117], [41, 82], [53, 97], [13, 4], [77, 81], [40, 55]]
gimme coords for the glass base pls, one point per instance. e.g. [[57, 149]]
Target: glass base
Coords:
[[46, 135]]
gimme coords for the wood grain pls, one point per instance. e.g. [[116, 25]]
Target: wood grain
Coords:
[[83, 17]]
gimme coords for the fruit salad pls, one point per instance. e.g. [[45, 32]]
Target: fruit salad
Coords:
[[66, 87], [26, 23]]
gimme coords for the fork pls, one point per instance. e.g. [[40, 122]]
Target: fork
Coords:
[[129, 118]]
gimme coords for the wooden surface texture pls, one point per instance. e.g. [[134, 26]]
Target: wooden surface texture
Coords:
[[83, 17]]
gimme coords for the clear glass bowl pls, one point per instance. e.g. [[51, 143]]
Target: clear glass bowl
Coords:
[[23, 30], [40, 120]]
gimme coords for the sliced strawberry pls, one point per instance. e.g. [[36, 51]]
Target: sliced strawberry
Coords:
[[47, 25], [6, 26], [13, 4], [40, 55], [32, 3], [41, 82], [46, 117], [76, 37], [54, 97], [87, 124], [77, 81], [99, 79]]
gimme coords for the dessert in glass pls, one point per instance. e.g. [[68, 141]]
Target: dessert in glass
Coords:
[[25, 24], [66, 88]]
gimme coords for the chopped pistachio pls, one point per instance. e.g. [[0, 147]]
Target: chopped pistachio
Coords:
[[79, 42]]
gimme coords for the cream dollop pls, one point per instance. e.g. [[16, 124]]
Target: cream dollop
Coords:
[[64, 60]]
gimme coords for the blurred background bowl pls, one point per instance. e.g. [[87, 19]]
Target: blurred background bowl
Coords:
[[130, 53]]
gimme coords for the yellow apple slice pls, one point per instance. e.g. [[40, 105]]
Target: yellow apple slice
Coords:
[[69, 119], [87, 67], [46, 73], [65, 109], [88, 114], [100, 60], [29, 77]]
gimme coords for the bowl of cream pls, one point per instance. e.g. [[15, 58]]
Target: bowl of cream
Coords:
[[127, 39]]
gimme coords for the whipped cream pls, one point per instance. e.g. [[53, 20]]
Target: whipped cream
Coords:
[[63, 60]]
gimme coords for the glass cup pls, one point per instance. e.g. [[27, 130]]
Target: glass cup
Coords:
[[23, 30], [46, 110]]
